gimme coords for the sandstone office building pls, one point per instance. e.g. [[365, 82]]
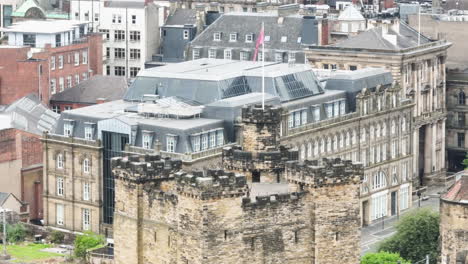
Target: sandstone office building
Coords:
[[359, 116]]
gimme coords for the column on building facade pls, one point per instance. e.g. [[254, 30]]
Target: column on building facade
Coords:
[[435, 134], [415, 154], [428, 148], [442, 151]]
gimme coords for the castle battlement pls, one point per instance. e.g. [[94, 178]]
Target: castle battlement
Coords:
[[282, 154], [145, 168], [255, 114], [211, 184], [327, 172], [271, 200]]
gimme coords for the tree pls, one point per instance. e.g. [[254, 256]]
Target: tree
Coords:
[[383, 258], [87, 241], [417, 236], [16, 233], [465, 161], [56, 237]]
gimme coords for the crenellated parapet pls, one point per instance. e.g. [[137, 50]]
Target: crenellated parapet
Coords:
[[328, 172], [147, 168], [212, 184], [258, 115], [236, 158], [271, 200]]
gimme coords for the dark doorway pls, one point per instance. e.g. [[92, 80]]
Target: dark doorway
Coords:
[[422, 151], [365, 207], [255, 176], [394, 203], [114, 145]]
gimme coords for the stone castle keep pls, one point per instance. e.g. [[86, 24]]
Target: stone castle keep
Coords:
[[263, 207]]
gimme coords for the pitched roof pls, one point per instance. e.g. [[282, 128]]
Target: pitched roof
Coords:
[[107, 87], [459, 191], [182, 17], [29, 114], [3, 197], [406, 37], [350, 14], [281, 33]]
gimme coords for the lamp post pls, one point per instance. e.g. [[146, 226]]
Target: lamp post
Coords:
[[4, 256]]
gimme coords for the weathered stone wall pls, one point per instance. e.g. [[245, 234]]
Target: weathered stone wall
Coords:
[[454, 232], [261, 127]]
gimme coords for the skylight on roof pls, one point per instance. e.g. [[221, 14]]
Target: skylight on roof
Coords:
[[267, 38], [284, 39]]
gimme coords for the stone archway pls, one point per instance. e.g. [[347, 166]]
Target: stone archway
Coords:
[[34, 13]]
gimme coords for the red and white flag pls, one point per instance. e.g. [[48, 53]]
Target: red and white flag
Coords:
[[260, 40]]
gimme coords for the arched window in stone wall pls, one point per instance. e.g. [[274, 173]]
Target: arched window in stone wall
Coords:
[[461, 98], [335, 142], [363, 134], [309, 150], [371, 132], [384, 129], [342, 140], [403, 123], [393, 127], [59, 161], [347, 138], [316, 148], [329, 144], [377, 131], [302, 151], [322, 145], [379, 180], [353, 140]]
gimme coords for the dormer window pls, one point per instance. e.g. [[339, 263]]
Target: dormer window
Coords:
[[171, 143], [147, 139], [284, 39], [233, 37], [249, 38], [89, 131], [68, 128], [267, 38], [217, 36]]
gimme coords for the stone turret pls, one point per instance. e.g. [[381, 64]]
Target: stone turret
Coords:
[[260, 155]]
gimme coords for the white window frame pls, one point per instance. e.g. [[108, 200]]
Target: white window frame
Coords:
[[86, 166], [233, 37], [220, 137], [212, 53], [204, 141], [84, 56], [86, 219], [69, 81], [196, 143], [77, 58], [316, 114], [304, 117], [60, 186], [212, 140], [52, 63], [53, 86], [227, 54], [249, 38], [146, 141], [60, 61], [186, 34], [217, 36], [59, 211], [86, 191], [68, 129], [196, 54], [244, 55], [59, 164], [61, 84], [171, 144]]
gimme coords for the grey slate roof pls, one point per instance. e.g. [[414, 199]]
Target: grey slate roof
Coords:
[[125, 4], [182, 17], [107, 87], [295, 28], [407, 37], [30, 115]]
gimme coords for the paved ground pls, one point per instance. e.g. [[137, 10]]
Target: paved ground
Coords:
[[373, 234]]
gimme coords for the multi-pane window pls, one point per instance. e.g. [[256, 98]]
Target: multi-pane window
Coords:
[[204, 140], [244, 55], [394, 175], [134, 71], [217, 36], [186, 34], [77, 79], [86, 191], [68, 129], [336, 109], [220, 137], [96, 17], [108, 53], [291, 56], [384, 151], [59, 214], [61, 84], [196, 143], [134, 19], [119, 71], [60, 61], [379, 206], [212, 53], [88, 132], [278, 57], [227, 54], [119, 53], [84, 56], [394, 148], [196, 54], [303, 117], [249, 38], [53, 86], [86, 165], [404, 171], [69, 81], [135, 54], [171, 144], [316, 114], [119, 35], [404, 197], [106, 33], [146, 141], [84, 75], [77, 58], [233, 37], [52, 63], [461, 140], [380, 181], [86, 219], [108, 70], [135, 36], [461, 98], [60, 189], [342, 107], [212, 137]]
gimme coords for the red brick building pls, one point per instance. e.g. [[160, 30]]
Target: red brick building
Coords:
[[31, 63], [21, 127]]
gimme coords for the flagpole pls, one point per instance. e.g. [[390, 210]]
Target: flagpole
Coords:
[[263, 67]]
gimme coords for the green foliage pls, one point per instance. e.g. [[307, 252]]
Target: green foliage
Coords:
[[16, 233], [383, 258], [417, 235], [465, 161], [56, 237], [87, 241], [28, 253]]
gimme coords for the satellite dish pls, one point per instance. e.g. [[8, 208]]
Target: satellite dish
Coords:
[[30, 54]]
